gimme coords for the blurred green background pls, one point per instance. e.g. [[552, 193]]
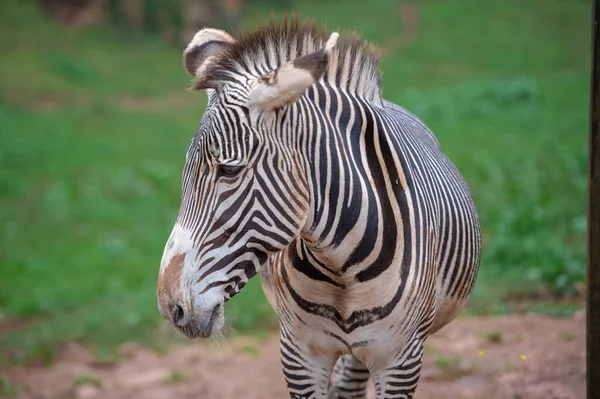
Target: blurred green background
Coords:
[[95, 122]]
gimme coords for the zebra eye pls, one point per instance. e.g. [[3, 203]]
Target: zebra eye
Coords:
[[230, 170]]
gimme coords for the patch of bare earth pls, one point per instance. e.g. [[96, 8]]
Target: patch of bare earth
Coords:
[[516, 356]]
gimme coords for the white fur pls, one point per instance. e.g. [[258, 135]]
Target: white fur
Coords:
[[291, 83], [207, 35], [331, 42]]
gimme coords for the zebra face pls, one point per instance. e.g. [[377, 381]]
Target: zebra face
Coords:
[[242, 201], [245, 193]]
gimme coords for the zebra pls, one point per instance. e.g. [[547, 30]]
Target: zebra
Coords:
[[364, 234]]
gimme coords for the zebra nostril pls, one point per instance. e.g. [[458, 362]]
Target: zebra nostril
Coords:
[[177, 315]]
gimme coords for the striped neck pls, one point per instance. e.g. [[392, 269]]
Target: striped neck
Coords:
[[344, 175]]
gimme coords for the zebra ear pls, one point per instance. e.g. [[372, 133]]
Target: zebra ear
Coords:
[[203, 47], [285, 84]]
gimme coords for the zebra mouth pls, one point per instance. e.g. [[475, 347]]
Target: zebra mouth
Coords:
[[204, 327]]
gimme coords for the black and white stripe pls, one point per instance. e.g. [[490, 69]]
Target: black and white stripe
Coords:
[[364, 233]]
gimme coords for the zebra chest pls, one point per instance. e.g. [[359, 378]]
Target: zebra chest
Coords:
[[341, 310], [372, 344], [344, 304]]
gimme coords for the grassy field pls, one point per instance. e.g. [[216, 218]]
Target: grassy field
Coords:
[[94, 127]]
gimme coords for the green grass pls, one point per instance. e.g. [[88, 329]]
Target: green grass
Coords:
[[87, 379], [7, 389], [177, 376], [94, 127]]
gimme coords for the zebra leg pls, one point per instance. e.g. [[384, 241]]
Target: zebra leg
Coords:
[[399, 381], [349, 379], [307, 376]]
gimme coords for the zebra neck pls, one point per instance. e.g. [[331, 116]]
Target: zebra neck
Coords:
[[353, 213]]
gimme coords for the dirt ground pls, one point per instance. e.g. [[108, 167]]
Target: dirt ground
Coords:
[[516, 357]]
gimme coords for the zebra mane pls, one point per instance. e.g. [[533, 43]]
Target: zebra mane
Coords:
[[353, 65]]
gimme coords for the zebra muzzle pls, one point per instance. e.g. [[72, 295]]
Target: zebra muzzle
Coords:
[[202, 324]]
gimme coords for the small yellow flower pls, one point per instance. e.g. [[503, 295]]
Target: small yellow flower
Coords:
[[481, 353], [523, 357]]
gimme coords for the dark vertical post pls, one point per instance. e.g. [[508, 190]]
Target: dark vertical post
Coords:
[[593, 303]]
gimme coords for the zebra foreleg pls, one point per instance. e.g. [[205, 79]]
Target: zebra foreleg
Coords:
[[400, 381], [307, 377], [349, 379]]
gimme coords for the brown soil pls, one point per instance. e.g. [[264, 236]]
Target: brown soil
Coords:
[[516, 357]]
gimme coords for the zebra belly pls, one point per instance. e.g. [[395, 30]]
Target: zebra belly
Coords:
[[448, 309]]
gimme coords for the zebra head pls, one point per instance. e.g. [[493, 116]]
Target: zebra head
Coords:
[[244, 194]]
